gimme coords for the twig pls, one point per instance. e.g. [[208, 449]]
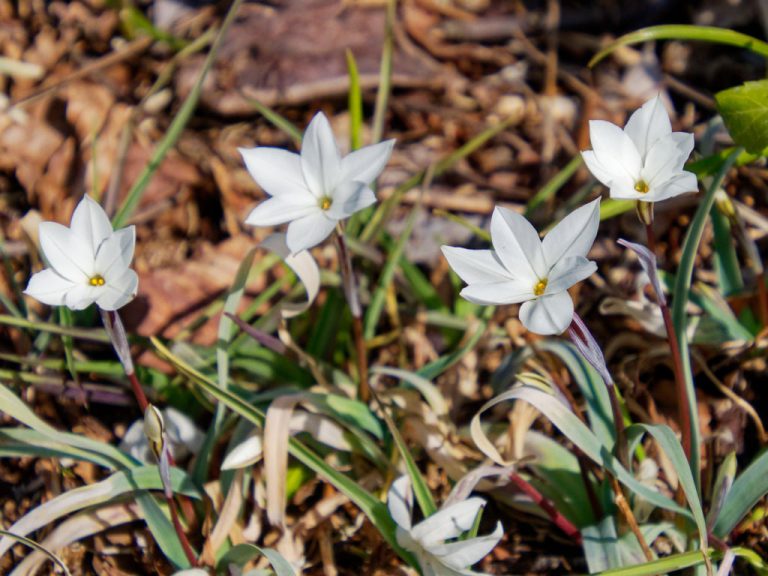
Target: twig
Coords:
[[626, 511]]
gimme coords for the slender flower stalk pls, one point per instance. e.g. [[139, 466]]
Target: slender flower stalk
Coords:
[[154, 429], [353, 299], [683, 407], [554, 514], [586, 344]]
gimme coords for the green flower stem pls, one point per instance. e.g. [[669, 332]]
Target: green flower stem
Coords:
[[683, 404]]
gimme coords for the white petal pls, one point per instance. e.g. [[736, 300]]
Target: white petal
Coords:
[[320, 158], [400, 502], [568, 272], [685, 144], [68, 254], [664, 161], [476, 266], [350, 197], [448, 522], [548, 315], [91, 223], [117, 292], [278, 211], [366, 164], [648, 124], [465, 553], [517, 245], [624, 189], [277, 171], [81, 296], [499, 293], [681, 183], [573, 235], [309, 231], [612, 147], [116, 253], [48, 287], [605, 174]]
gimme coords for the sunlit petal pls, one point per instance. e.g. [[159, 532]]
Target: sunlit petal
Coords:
[[320, 158], [476, 266], [91, 223], [448, 523], [278, 211], [569, 271], [400, 502], [614, 149], [67, 253], [648, 124], [573, 235], [350, 197], [548, 315], [48, 287], [117, 292], [309, 231], [517, 245], [277, 171], [365, 165]]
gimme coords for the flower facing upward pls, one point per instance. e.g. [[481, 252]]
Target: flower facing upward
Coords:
[[316, 189], [645, 160], [89, 262], [427, 540], [524, 269]]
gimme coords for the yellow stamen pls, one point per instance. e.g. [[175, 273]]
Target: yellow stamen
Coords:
[[539, 287], [642, 186], [325, 202], [97, 280]]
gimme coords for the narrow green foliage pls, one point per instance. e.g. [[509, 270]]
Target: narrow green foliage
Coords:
[[671, 563], [747, 490], [548, 191], [726, 261], [685, 32], [277, 120], [385, 74], [420, 488], [680, 301], [355, 104], [174, 131], [373, 313]]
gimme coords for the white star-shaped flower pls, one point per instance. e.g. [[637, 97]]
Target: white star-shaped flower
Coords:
[[428, 540], [645, 160], [315, 189], [524, 269], [89, 262]]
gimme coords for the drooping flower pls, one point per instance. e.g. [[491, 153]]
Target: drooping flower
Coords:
[[645, 160], [524, 269], [88, 262], [433, 541], [315, 189]]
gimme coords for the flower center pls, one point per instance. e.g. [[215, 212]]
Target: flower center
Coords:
[[325, 202], [539, 287], [97, 280], [642, 186]]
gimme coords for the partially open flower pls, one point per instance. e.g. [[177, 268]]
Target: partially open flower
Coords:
[[524, 269], [645, 160], [89, 262], [428, 540], [316, 189]]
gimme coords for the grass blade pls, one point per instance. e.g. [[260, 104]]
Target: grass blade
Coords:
[[355, 104], [680, 301], [685, 32], [177, 126], [750, 486]]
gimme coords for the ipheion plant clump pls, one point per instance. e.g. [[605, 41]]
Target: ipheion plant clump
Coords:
[[316, 189], [524, 269], [89, 262]]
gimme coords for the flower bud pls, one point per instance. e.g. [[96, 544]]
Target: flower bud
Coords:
[[644, 212], [154, 429]]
